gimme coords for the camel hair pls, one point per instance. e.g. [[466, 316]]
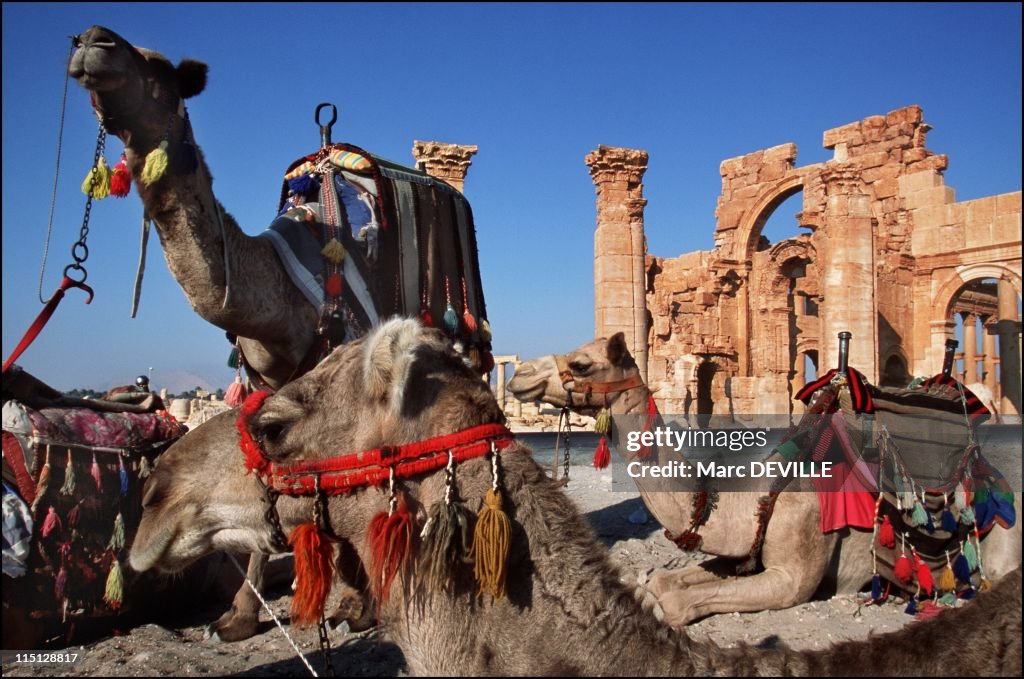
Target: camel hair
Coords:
[[566, 611], [798, 558]]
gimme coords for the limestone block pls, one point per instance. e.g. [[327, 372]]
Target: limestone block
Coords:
[[887, 171], [980, 213], [913, 155], [612, 240], [952, 236], [873, 159], [885, 188], [934, 162], [614, 269], [783, 152], [908, 114], [731, 166], [849, 133], [1007, 228], [612, 296], [1008, 203]]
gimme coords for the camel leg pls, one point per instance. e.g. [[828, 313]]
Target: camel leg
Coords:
[[664, 581], [242, 620], [354, 606]]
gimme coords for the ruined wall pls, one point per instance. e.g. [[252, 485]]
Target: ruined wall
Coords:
[[884, 251]]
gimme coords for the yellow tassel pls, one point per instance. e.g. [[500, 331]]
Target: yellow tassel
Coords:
[[491, 542], [97, 182], [113, 593], [985, 585], [947, 581], [603, 423], [334, 252], [156, 164]]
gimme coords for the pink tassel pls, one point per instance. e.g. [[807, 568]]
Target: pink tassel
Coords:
[[51, 521], [236, 394], [95, 471]]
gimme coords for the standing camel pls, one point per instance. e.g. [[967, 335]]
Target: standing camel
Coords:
[[797, 557], [565, 610]]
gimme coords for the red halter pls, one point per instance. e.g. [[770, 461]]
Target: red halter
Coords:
[[344, 473]]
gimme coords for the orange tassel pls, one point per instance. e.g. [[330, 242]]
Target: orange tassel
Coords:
[[313, 574], [469, 322], [602, 456], [390, 543]]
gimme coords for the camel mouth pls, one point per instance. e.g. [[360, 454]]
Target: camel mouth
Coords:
[[526, 392]]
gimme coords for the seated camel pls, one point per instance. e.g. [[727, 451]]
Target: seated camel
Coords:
[[797, 557], [400, 404]]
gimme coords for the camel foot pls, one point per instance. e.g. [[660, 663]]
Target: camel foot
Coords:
[[661, 582], [676, 611], [232, 626], [353, 611]]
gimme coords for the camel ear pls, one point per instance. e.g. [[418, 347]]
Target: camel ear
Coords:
[[616, 348], [191, 77], [389, 354]]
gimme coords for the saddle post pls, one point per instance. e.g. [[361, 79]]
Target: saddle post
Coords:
[[947, 360], [844, 351]]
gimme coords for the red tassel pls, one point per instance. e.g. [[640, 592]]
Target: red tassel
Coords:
[[51, 521], [95, 471], [74, 515], [425, 318], [333, 286], [886, 534], [313, 574], [236, 394], [924, 575], [254, 460], [390, 542], [903, 570], [121, 179], [469, 322], [602, 456]]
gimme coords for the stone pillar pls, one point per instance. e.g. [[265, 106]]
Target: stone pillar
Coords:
[[448, 162], [848, 274], [1008, 327], [970, 348], [620, 300], [989, 344]]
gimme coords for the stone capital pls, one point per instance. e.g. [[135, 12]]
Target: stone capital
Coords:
[[448, 162], [617, 164]]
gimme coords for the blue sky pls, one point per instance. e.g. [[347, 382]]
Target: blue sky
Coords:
[[536, 86]]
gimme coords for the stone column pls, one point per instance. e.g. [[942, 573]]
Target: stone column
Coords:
[[620, 301], [448, 162], [848, 274], [970, 347], [1008, 327], [989, 344]]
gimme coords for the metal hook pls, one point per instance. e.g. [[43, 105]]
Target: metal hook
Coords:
[[325, 129]]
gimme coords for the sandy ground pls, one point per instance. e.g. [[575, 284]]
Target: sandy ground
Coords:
[[175, 646]]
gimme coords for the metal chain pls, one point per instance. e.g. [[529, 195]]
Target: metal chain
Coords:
[[325, 645], [80, 250], [270, 515]]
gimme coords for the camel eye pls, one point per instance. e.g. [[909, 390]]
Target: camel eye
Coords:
[[579, 367], [271, 432]]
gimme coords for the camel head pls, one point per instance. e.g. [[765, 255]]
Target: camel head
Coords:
[[401, 383], [604, 360], [135, 91]]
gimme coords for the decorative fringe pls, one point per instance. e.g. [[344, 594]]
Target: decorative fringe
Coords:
[[985, 585], [237, 393], [113, 593], [469, 321], [69, 477], [121, 179], [389, 540], [947, 581], [602, 456], [51, 522], [911, 608], [876, 587], [333, 252], [970, 555], [450, 321], [313, 574], [95, 471], [948, 521], [123, 476], [254, 460], [485, 330], [97, 181], [156, 164], [235, 358], [919, 517], [886, 534], [927, 610], [930, 523], [117, 539], [603, 422], [962, 569], [967, 516], [444, 543], [948, 599], [903, 569], [492, 540], [44, 482]]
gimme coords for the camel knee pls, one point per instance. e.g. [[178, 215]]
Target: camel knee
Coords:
[[353, 608]]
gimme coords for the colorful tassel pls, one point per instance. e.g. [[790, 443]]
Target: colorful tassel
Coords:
[[962, 569], [947, 599], [886, 534], [968, 594], [967, 516], [948, 521], [918, 517], [156, 164], [235, 358], [444, 544], [450, 320], [960, 497], [95, 471], [602, 456], [121, 179], [924, 575], [389, 540], [903, 569], [911, 608], [485, 330], [74, 515], [469, 321], [113, 593], [69, 477], [970, 555], [237, 393], [425, 318], [947, 581], [122, 474], [51, 522], [43, 484], [492, 540], [61, 583], [117, 539], [333, 252], [603, 422], [929, 523], [313, 573], [97, 181], [334, 285], [876, 587], [486, 361]]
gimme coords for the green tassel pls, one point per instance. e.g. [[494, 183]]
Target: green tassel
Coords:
[[156, 164], [967, 516], [117, 539], [113, 593], [948, 599], [445, 543], [234, 358], [971, 555], [97, 182], [603, 424], [69, 478], [919, 517]]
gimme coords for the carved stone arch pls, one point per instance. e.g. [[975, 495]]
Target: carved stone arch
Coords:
[[947, 292], [894, 367], [754, 219]]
